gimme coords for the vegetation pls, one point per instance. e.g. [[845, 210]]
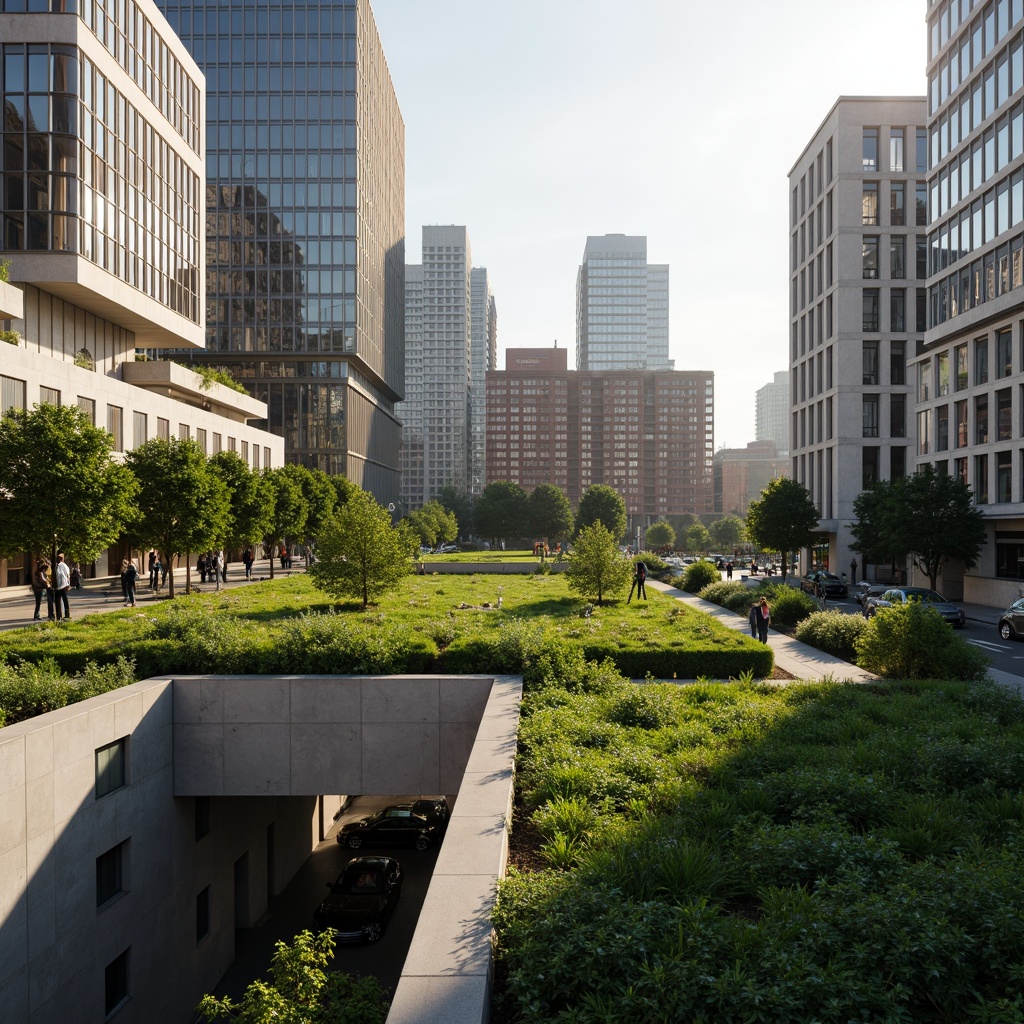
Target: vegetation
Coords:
[[700, 575], [834, 632], [433, 524], [783, 519], [248, 500], [659, 535], [213, 375], [698, 538], [288, 510], [460, 504], [745, 852], [10, 337], [727, 533], [60, 488], [596, 566], [549, 513], [28, 689], [601, 504], [302, 991], [5, 270], [500, 512]]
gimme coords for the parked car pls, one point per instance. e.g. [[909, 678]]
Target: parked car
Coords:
[[863, 591], [391, 826], [361, 899], [447, 549], [434, 809], [1011, 622], [830, 583], [902, 595]]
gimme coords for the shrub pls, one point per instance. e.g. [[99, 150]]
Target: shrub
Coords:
[[733, 595], [833, 632], [28, 689], [700, 575], [788, 605], [913, 641]]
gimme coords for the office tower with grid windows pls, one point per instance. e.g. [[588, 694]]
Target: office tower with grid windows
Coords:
[[484, 358], [621, 306], [305, 206], [771, 412], [856, 255], [969, 375]]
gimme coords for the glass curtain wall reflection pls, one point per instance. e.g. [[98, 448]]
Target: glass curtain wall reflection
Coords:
[[305, 224]]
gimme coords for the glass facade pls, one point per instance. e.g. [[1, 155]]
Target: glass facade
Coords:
[[305, 224]]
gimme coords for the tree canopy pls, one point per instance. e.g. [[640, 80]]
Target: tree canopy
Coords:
[[549, 513], [433, 524], [59, 485], [596, 566], [602, 504], [319, 496], [360, 553], [183, 504], [249, 508], [783, 519], [698, 538], [659, 534], [288, 509], [727, 533], [500, 512], [461, 504]]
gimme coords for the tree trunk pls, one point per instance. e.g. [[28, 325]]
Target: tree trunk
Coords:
[[188, 572], [170, 575]]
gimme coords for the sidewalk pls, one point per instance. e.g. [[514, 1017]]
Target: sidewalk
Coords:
[[104, 594]]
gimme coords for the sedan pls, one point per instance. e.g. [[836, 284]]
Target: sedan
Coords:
[[361, 899], [1011, 622], [868, 590], [830, 583], [390, 826], [903, 595]]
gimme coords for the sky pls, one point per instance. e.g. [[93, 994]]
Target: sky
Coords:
[[539, 122]]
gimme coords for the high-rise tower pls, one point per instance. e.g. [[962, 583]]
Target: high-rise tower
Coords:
[[305, 206], [621, 306]]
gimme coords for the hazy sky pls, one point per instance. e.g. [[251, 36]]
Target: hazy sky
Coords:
[[538, 122]]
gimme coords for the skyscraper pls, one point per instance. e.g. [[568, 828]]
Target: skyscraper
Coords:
[[484, 357], [771, 412], [305, 206], [621, 306]]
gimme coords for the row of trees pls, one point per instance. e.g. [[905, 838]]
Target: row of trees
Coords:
[[62, 489]]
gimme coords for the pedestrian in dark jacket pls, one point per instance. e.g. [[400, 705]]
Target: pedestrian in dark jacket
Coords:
[[41, 586], [753, 619]]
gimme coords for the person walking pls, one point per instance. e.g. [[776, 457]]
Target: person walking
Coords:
[[124, 583], [214, 569], [40, 586], [639, 578], [223, 565], [753, 618], [728, 570], [201, 566], [61, 585], [152, 572], [763, 620], [247, 560], [819, 593], [129, 576], [154, 579]]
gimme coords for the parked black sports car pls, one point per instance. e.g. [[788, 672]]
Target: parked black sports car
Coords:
[[361, 899], [390, 826]]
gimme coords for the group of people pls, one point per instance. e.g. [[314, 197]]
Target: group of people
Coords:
[[54, 586]]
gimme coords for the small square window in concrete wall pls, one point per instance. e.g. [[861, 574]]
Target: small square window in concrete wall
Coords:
[[116, 981], [112, 873], [111, 767]]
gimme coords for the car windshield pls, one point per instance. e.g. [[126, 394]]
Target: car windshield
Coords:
[[923, 594], [359, 880]]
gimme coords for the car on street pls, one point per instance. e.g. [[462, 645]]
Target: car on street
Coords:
[[395, 825], [830, 583], [862, 591], [447, 549], [904, 595], [361, 899], [1011, 622]]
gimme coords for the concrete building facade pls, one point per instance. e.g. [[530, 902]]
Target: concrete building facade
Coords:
[[771, 412], [305, 215], [741, 474], [484, 358], [116, 267], [857, 254], [648, 434], [968, 377], [622, 315]]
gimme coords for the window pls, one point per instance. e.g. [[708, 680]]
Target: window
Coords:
[[1004, 352], [897, 204], [896, 149], [870, 310], [1004, 477], [49, 396], [266, 458], [870, 415], [897, 415], [202, 915], [232, 444], [140, 426], [960, 468], [201, 438], [184, 432], [869, 256], [898, 362], [942, 374], [163, 428], [115, 426], [922, 310], [960, 411], [898, 310], [1004, 415], [960, 359], [111, 873], [869, 202], [88, 406], [870, 363], [921, 164], [897, 257], [897, 462], [981, 419], [942, 428], [921, 257], [202, 816], [921, 204], [924, 383], [110, 767], [981, 361], [115, 982], [245, 451], [981, 479], [12, 395], [924, 439], [869, 471], [870, 149], [217, 443]]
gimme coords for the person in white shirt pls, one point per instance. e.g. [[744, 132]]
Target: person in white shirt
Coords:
[[62, 584]]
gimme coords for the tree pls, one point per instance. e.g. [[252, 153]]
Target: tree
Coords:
[[602, 504], [183, 504], [500, 512], [249, 509], [681, 523], [301, 990], [727, 533], [60, 489], [659, 535], [698, 538], [319, 495], [877, 536], [460, 505], [433, 524], [287, 512], [596, 566], [360, 554], [343, 488], [783, 518], [549, 513]]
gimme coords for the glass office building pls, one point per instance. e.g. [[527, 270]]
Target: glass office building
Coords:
[[305, 202]]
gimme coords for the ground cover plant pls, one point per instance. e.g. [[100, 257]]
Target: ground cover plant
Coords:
[[748, 852], [429, 623]]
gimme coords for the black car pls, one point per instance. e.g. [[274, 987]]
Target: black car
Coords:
[[391, 826], [434, 809], [830, 583], [361, 899]]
